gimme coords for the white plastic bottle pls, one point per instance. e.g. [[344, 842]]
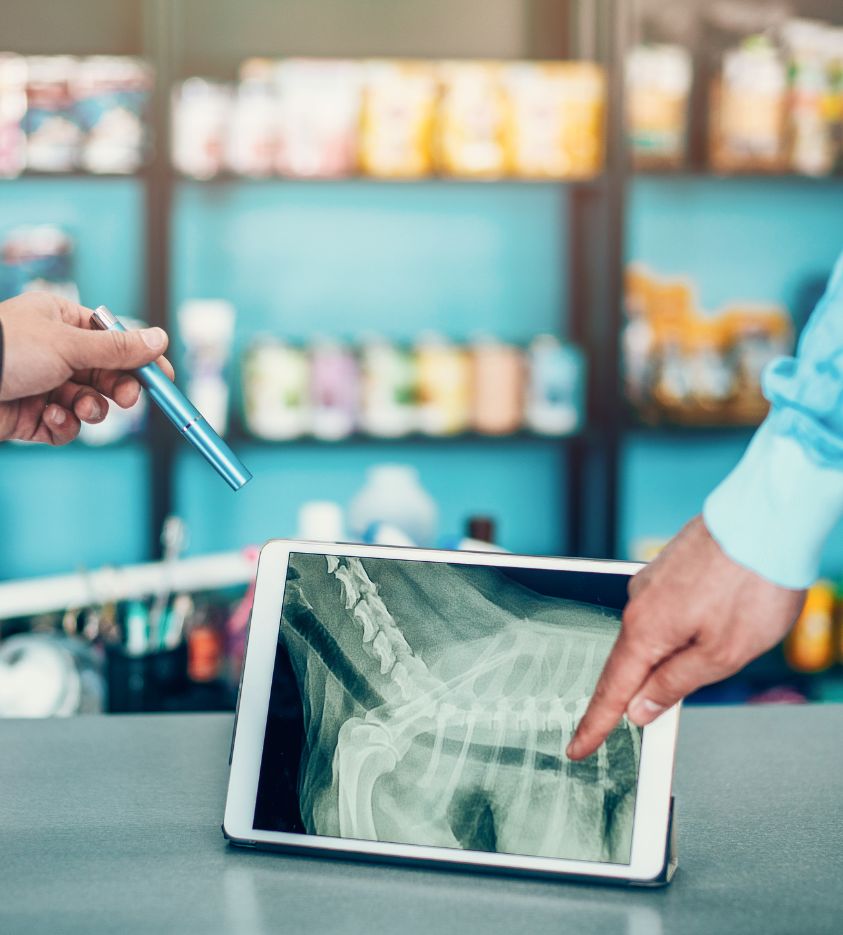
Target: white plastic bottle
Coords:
[[393, 497]]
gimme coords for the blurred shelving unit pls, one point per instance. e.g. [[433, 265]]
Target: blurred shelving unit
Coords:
[[461, 256], [744, 235], [512, 257], [768, 237], [53, 502], [456, 256]]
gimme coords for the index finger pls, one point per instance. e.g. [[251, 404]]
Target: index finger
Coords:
[[628, 666], [116, 383]]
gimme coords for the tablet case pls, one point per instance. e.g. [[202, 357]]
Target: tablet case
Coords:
[[671, 854], [671, 860]]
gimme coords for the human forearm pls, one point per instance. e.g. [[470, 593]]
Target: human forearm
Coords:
[[774, 512]]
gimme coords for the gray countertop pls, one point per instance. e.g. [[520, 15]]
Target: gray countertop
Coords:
[[113, 825]]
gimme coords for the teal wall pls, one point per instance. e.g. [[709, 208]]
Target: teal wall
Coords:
[[347, 258], [350, 257], [522, 484], [754, 239], [63, 509], [105, 216], [299, 258]]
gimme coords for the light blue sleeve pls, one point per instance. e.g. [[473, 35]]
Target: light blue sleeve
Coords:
[[774, 512]]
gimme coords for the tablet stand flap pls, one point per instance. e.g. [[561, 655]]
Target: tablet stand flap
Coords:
[[671, 855]]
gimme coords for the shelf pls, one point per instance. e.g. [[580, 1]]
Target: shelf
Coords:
[[678, 428], [414, 438], [230, 178], [707, 174], [29, 176]]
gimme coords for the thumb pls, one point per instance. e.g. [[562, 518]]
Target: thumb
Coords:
[[116, 350]]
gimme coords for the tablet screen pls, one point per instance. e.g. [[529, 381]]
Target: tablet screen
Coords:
[[422, 702]]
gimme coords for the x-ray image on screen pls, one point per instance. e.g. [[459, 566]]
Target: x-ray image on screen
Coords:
[[435, 703]]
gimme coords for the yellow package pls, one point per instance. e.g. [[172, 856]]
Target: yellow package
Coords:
[[810, 645], [471, 120], [710, 373], [555, 119], [748, 111], [399, 103], [658, 87]]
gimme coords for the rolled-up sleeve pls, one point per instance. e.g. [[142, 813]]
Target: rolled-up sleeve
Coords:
[[774, 512]]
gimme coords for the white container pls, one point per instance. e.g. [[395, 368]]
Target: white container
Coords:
[[388, 386], [556, 387], [201, 118], [321, 521], [207, 330], [276, 391], [394, 496]]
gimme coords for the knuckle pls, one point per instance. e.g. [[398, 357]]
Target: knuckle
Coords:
[[121, 342], [725, 656], [632, 618], [668, 686]]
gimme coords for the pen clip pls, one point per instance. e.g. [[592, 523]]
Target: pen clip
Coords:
[[102, 319]]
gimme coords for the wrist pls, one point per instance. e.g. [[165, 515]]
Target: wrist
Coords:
[[775, 510]]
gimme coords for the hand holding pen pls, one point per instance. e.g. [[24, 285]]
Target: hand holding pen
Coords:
[[56, 373], [60, 363]]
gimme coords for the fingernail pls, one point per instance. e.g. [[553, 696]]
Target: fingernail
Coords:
[[571, 750], [58, 416], [154, 338], [644, 709]]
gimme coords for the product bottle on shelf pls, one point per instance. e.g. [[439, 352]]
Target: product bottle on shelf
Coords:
[[396, 127], [321, 521], [276, 390], [334, 389], [201, 117], [748, 110], [53, 133], [810, 133], [204, 650], [658, 79], [393, 496], [207, 329], [251, 136], [444, 386], [471, 121], [555, 116], [388, 376], [834, 109], [12, 111], [318, 104], [710, 377], [556, 386], [497, 399], [112, 98], [810, 645]]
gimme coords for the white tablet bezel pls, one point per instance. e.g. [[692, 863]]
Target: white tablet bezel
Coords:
[[652, 805]]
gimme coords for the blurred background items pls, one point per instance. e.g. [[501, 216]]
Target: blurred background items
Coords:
[[497, 274]]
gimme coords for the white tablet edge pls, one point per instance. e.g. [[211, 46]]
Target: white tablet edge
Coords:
[[655, 777]]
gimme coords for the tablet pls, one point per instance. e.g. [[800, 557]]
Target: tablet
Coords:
[[415, 705]]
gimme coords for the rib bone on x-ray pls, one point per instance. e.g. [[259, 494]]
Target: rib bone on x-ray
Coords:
[[438, 701]]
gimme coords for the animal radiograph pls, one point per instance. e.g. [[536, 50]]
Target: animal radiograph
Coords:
[[438, 700]]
